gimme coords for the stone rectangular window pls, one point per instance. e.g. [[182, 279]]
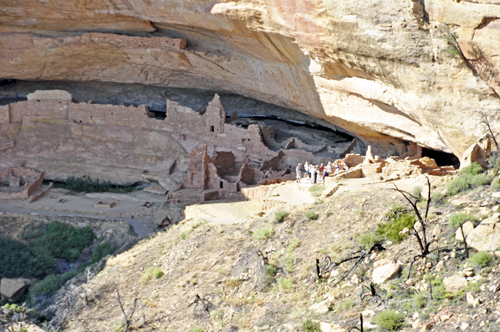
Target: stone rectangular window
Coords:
[[212, 129], [221, 185]]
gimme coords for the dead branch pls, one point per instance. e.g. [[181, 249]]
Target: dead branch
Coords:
[[206, 305], [265, 260], [422, 240], [361, 326], [372, 292], [376, 247], [486, 122], [128, 319]]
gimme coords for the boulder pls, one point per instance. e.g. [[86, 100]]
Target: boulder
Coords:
[[385, 273], [486, 236], [428, 163], [468, 228], [12, 289], [455, 283], [474, 153], [326, 327], [167, 215], [321, 308]]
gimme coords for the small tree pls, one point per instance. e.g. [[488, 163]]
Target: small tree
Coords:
[[420, 233], [457, 221]]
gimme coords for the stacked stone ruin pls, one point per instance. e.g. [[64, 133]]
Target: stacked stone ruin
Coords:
[[194, 156]]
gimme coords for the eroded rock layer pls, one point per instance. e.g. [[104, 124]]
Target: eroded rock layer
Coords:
[[386, 71]]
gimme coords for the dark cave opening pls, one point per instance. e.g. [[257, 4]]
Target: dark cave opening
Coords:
[[442, 158]]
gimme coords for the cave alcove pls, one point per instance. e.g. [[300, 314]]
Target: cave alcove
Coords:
[[442, 158]]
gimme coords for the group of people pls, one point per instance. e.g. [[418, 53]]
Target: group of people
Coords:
[[316, 173]]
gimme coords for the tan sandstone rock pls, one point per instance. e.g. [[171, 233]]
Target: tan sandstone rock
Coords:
[[486, 236], [468, 227], [382, 75], [327, 327], [12, 289], [385, 273], [321, 308], [455, 283]]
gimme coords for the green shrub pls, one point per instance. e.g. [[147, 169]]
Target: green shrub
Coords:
[[310, 326], [50, 284], [481, 258], [285, 284], [345, 305], [495, 184], [469, 177], [311, 215], [472, 169], [102, 250], [316, 190], [439, 199], [419, 301], [64, 241], [438, 289], [196, 329], [20, 260], [480, 180], [395, 211], [13, 307], [151, 273], [474, 287], [87, 184], [279, 216], [461, 183], [263, 233], [368, 240], [416, 191], [22, 329], [458, 219], [392, 229], [271, 270], [389, 320], [494, 163]]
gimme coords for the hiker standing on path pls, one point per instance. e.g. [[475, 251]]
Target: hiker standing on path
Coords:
[[306, 168], [312, 170], [298, 170]]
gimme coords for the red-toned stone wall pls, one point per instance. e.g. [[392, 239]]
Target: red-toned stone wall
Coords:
[[223, 161]]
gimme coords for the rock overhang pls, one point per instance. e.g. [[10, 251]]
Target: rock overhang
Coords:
[[383, 76]]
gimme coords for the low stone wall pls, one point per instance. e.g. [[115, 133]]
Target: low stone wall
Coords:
[[255, 193], [273, 204], [41, 194]]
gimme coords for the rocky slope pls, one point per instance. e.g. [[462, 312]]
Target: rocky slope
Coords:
[[260, 274], [386, 71]]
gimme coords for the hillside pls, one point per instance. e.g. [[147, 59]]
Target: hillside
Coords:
[[208, 276]]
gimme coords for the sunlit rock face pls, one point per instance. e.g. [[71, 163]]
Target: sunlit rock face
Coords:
[[384, 70]]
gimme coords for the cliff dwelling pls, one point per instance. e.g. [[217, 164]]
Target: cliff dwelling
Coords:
[[195, 156]]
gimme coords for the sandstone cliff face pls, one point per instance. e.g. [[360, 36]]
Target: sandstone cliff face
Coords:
[[387, 71]]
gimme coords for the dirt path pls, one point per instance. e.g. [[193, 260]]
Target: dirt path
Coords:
[[59, 202]]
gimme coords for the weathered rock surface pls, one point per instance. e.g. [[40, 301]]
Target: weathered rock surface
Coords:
[[12, 289], [321, 308], [326, 327], [486, 236], [168, 215], [385, 273], [454, 283], [379, 69], [468, 228]]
